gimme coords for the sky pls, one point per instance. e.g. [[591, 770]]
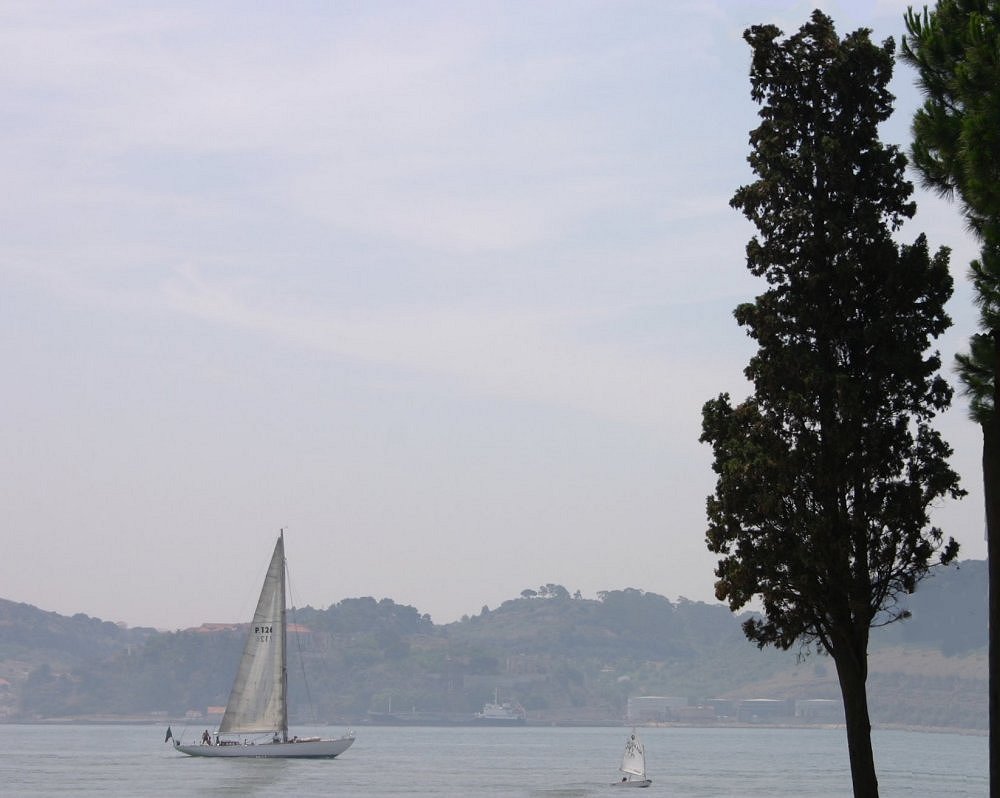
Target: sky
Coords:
[[438, 288]]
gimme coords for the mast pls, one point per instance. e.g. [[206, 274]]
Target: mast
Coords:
[[283, 688]]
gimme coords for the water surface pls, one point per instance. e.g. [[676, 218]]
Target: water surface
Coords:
[[530, 761]]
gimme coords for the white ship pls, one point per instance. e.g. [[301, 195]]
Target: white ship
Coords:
[[501, 714]]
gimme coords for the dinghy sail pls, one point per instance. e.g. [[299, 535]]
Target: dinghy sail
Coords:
[[633, 764]]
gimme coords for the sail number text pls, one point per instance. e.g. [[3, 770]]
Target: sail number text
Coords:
[[263, 633]]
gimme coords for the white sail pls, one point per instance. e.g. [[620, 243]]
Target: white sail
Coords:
[[257, 702], [634, 759]]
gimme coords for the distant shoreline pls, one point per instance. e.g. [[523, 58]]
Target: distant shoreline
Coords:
[[92, 720]]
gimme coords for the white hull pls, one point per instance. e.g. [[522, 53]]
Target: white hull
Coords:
[[303, 749], [479, 720], [633, 783]]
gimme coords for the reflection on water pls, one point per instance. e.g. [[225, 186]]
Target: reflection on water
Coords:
[[247, 776]]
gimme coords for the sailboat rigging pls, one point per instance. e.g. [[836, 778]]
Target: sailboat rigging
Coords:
[[258, 702]]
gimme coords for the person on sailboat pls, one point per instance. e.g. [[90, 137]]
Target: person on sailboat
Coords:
[[206, 739]]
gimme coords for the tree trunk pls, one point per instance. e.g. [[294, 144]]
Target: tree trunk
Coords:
[[991, 492], [991, 475], [852, 672]]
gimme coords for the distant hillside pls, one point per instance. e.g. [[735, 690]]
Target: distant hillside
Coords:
[[28, 630], [563, 658], [35, 644], [949, 611], [907, 686]]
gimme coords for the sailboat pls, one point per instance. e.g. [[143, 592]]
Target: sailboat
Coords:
[[633, 764], [258, 702]]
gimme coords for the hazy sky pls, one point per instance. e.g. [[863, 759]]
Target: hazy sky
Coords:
[[438, 287]]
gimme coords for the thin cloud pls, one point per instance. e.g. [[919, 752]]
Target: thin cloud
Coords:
[[517, 354]]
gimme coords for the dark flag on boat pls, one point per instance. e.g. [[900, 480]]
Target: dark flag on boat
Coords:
[[169, 735]]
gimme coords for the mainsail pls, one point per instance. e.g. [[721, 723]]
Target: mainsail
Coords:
[[258, 701], [634, 760]]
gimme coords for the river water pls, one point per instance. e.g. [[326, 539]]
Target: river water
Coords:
[[529, 761]]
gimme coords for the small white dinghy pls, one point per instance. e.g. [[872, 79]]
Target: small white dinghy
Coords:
[[633, 764], [258, 703]]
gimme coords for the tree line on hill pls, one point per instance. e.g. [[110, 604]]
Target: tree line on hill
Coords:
[[559, 655]]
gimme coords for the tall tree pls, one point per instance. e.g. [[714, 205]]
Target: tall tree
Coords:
[[826, 473], [956, 148]]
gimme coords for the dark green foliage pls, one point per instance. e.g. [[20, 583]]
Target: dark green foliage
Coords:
[[956, 133], [955, 48], [826, 474]]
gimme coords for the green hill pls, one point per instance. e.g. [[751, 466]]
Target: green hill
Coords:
[[564, 658]]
